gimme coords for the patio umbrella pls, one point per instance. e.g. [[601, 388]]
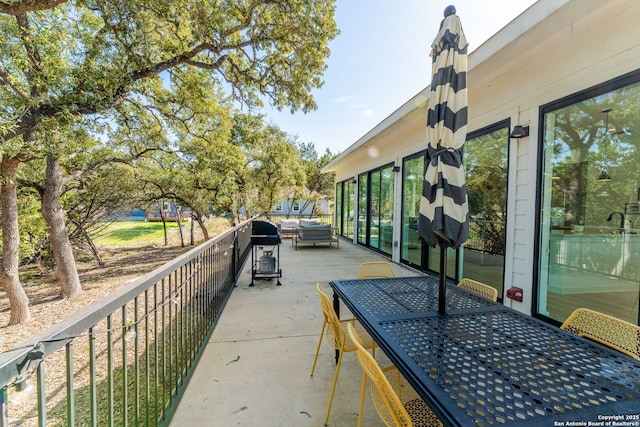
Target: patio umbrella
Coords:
[[444, 210]]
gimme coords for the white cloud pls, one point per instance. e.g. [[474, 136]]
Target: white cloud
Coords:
[[343, 99]]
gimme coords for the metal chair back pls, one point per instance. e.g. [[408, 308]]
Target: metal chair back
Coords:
[[479, 288], [608, 330]]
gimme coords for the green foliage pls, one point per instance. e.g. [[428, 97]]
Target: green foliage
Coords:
[[272, 163], [486, 167], [85, 58], [317, 185], [150, 84], [32, 227]]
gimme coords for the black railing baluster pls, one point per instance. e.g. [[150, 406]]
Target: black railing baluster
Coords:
[[164, 343], [170, 326], [93, 405], [70, 390], [109, 371], [147, 358], [124, 342], [156, 363], [136, 361], [42, 396], [165, 338]]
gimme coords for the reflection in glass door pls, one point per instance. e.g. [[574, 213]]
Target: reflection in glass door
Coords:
[[339, 215], [589, 242], [411, 246], [412, 179], [345, 207], [363, 208], [486, 166], [375, 207], [387, 178], [349, 209]]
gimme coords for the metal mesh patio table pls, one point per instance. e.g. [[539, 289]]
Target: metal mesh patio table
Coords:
[[485, 364]]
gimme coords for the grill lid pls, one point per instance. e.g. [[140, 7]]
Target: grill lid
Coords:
[[264, 232]]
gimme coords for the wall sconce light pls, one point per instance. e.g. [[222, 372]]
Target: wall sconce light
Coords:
[[519, 132], [396, 168], [604, 176]]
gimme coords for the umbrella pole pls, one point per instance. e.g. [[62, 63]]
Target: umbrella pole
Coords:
[[442, 288]]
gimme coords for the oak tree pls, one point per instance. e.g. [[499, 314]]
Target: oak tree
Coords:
[[103, 58]]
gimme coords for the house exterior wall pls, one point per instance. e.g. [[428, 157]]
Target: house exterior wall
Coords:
[[554, 49], [286, 206]]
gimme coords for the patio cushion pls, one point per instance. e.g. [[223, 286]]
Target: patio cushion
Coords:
[[288, 226], [309, 222], [314, 232]]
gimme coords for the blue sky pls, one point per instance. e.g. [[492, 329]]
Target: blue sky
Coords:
[[380, 60]]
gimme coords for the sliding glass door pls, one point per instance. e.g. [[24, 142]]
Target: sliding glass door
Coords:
[[589, 239], [375, 195], [486, 166]]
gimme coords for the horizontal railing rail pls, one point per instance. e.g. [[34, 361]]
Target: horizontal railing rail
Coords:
[[598, 250], [277, 217], [126, 359]]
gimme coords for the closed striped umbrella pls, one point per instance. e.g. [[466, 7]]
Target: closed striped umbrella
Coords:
[[443, 207]]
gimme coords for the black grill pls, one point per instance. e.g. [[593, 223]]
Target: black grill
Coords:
[[265, 232]]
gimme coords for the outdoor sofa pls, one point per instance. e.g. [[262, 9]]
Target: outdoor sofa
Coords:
[[288, 227], [314, 232]]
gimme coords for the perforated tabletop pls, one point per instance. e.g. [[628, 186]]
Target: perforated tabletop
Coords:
[[484, 364]]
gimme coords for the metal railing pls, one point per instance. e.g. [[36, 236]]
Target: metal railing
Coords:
[[486, 236], [277, 217], [598, 250], [125, 360]]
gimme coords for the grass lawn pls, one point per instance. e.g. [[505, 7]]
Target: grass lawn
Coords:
[[135, 233], [141, 233]]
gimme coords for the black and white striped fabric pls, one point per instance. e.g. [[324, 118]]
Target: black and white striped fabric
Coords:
[[443, 206]]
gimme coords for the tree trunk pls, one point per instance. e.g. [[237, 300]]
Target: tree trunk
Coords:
[[192, 237], [205, 232], [53, 215], [180, 229], [164, 225], [93, 248], [18, 301]]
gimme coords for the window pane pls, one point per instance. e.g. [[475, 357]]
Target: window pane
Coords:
[[340, 203], [386, 209], [345, 206], [589, 240], [362, 208], [485, 158], [349, 209], [374, 211], [412, 177]]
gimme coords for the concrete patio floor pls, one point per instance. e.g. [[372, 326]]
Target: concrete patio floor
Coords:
[[255, 370]]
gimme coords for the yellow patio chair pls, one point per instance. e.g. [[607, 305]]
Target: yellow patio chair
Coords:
[[479, 288], [608, 330], [375, 269], [338, 339], [396, 402]]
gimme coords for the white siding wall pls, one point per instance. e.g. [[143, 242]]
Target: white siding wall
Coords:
[[555, 49]]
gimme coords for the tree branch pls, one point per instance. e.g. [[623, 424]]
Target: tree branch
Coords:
[[32, 52], [4, 79], [18, 7]]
